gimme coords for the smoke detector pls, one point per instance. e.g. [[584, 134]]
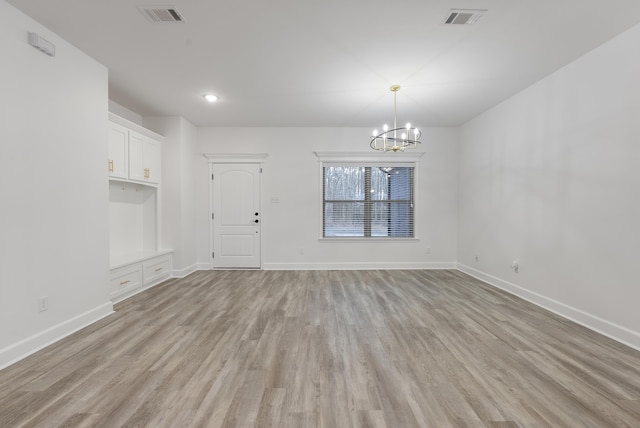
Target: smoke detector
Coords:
[[463, 16], [161, 13]]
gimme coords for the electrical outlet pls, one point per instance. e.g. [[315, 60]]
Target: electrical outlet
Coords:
[[428, 250], [43, 303], [301, 252], [477, 258], [515, 266]]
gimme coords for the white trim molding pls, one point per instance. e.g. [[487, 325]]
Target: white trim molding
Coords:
[[181, 273], [16, 352], [361, 266], [235, 157], [203, 266], [371, 156], [616, 332], [135, 127]]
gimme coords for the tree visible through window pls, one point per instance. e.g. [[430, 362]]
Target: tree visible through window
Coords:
[[367, 201]]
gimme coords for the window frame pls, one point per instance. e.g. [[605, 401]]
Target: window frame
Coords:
[[368, 160]]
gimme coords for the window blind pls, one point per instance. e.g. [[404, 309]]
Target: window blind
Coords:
[[368, 201]]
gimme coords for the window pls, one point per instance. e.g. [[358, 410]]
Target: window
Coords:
[[368, 201]]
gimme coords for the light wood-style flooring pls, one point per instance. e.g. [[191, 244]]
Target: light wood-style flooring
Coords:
[[326, 349]]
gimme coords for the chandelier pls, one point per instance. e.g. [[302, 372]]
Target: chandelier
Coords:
[[396, 139]]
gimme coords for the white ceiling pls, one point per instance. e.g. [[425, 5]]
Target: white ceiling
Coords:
[[329, 62]]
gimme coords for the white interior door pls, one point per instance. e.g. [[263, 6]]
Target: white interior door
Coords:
[[236, 215]]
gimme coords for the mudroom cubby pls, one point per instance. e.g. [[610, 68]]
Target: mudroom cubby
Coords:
[[137, 259]]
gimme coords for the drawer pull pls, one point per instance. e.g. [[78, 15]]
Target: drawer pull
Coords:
[[158, 269], [125, 282]]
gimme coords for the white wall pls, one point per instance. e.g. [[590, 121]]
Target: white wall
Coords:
[[54, 237], [551, 178], [291, 174], [189, 159], [178, 205]]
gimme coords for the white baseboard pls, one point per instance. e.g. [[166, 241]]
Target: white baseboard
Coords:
[[181, 273], [616, 332], [203, 266], [28, 346], [360, 266]]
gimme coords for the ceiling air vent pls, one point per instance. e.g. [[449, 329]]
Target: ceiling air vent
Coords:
[[161, 13], [463, 16]]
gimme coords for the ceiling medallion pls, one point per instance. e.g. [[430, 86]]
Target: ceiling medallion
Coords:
[[396, 139]]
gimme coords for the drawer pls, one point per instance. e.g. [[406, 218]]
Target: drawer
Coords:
[[156, 269], [125, 280]]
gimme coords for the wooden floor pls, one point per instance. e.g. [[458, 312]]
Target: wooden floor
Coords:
[[326, 349]]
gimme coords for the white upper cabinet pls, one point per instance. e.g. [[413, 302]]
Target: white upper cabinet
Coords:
[[136, 168], [144, 158], [118, 151], [134, 152], [151, 157]]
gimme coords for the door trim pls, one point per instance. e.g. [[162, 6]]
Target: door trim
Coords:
[[236, 157], [226, 158]]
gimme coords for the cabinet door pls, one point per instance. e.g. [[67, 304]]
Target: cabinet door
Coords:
[[151, 160], [144, 158], [136, 158], [118, 151]]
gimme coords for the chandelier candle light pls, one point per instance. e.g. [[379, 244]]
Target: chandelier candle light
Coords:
[[389, 140]]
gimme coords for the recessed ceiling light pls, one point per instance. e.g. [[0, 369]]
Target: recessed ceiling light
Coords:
[[210, 97]]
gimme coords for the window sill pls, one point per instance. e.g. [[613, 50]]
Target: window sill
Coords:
[[363, 239]]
